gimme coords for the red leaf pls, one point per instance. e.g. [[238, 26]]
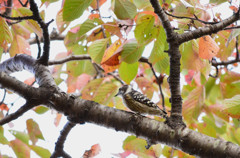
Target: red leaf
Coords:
[[4, 107], [189, 76], [30, 81]]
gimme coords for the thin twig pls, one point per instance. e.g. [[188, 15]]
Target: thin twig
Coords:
[[59, 152], [111, 74], [24, 5], [27, 106], [44, 26], [17, 18], [196, 18], [145, 60], [39, 46], [70, 58], [225, 63], [103, 30], [216, 75], [4, 95]]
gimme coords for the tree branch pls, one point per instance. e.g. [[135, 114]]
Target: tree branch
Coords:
[[16, 114], [184, 17], [175, 119], [208, 30], [59, 152], [183, 138], [145, 60], [158, 132], [46, 46]]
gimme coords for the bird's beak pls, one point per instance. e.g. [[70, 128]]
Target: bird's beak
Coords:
[[116, 94]]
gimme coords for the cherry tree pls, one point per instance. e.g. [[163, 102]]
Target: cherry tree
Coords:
[[104, 53]]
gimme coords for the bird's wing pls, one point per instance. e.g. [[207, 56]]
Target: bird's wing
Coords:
[[142, 98]]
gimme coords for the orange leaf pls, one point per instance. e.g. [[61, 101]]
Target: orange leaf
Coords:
[[235, 9], [30, 81], [110, 52], [57, 119], [93, 16], [110, 60], [208, 48], [108, 68], [94, 3], [4, 107]]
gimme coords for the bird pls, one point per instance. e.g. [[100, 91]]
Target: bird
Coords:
[[139, 103]]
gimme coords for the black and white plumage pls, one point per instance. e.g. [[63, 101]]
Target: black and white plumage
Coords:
[[138, 102]]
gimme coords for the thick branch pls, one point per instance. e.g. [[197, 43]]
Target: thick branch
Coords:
[[31, 94], [89, 111], [183, 138], [164, 19], [174, 76], [25, 62]]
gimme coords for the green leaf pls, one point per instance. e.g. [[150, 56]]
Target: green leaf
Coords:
[[41, 109], [160, 45], [20, 149], [232, 106], [34, 131], [105, 92], [20, 135], [88, 25], [145, 30], [6, 35], [217, 1], [97, 49], [30, 24], [210, 120], [91, 88], [234, 33], [131, 52], [224, 51], [124, 9], [141, 4], [61, 25], [43, 153], [3, 140], [193, 104], [49, 1], [73, 9], [137, 147], [128, 72]]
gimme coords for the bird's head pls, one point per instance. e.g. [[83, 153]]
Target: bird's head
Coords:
[[123, 90]]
